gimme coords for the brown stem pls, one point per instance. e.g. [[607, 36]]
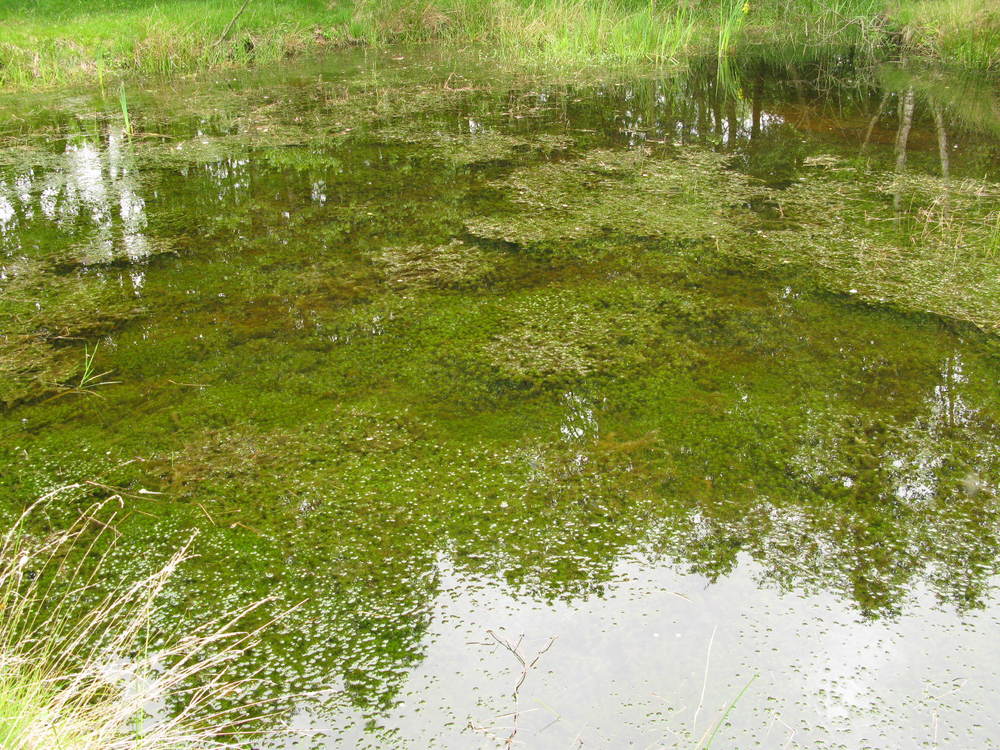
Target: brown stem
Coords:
[[231, 23]]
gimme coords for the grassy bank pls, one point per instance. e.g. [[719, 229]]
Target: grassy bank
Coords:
[[57, 41]]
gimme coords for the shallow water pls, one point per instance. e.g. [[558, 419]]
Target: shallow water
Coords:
[[694, 375]]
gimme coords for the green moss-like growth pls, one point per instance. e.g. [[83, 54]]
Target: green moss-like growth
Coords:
[[45, 321], [631, 194], [918, 242], [456, 265], [557, 336], [628, 357]]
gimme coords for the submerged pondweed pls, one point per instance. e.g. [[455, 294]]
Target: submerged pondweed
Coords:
[[452, 266], [45, 320], [634, 194], [558, 337], [836, 225]]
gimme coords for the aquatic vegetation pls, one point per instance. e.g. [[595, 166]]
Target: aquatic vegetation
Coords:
[[452, 266], [43, 319], [556, 337], [123, 103], [697, 204], [475, 148], [932, 258], [90, 379], [681, 201]]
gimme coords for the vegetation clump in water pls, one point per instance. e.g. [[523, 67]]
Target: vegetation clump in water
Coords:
[[452, 266], [838, 227], [45, 320], [564, 206], [937, 255], [556, 337], [477, 147]]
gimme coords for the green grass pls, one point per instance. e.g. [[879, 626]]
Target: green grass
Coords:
[[58, 41], [964, 32], [587, 32], [732, 14], [581, 32], [44, 42], [126, 120]]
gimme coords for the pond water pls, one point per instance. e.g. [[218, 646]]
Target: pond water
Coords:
[[695, 374]]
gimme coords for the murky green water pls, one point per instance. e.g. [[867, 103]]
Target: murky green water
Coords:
[[698, 377]]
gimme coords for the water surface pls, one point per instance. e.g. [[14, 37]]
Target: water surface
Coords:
[[695, 374]]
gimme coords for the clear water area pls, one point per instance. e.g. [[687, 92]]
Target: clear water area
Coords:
[[631, 364]]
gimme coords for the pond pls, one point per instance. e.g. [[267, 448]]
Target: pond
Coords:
[[694, 373]]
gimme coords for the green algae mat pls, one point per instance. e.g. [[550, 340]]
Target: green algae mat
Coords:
[[696, 375]]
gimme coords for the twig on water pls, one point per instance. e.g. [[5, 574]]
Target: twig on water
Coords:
[[526, 667], [207, 514], [234, 524]]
